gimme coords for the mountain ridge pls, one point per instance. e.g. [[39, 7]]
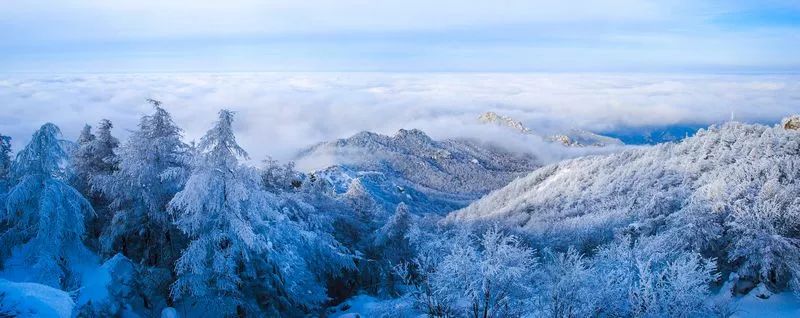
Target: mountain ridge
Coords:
[[588, 200], [411, 167], [573, 137]]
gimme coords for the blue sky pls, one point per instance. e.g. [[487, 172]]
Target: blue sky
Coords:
[[403, 36]]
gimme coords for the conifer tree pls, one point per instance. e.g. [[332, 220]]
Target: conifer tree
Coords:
[[44, 214], [92, 160], [220, 210], [5, 161], [152, 167]]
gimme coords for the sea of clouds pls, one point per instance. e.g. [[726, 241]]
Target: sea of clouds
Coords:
[[279, 114]]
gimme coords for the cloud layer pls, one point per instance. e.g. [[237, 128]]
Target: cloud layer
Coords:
[[281, 113]]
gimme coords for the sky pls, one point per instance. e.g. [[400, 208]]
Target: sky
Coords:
[[679, 36], [303, 72]]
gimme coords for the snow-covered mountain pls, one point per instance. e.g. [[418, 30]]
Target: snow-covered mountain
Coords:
[[410, 167], [500, 120], [733, 187], [579, 138], [572, 137]]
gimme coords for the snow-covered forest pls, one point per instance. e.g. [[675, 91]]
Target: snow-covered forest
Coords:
[[159, 226], [399, 158]]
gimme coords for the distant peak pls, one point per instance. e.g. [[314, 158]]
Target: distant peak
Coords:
[[412, 134], [579, 138], [363, 134], [497, 119]]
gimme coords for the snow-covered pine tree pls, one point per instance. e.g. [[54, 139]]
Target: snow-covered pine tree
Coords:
[[92, 160], [106, 145], [358, 227], [278, 177], [5, 170], [80, 160], [221, 209], [152, 167], [568, 286], [244, 255], [94, 157], [44, 214], [394, 246], [5, 161], [86, 136], [306, 228]]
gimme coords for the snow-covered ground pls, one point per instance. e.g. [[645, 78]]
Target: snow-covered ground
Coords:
[[783, 305], [33, 300], [366, 306]]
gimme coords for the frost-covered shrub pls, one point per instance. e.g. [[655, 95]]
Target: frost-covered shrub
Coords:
[[729, 192], [627, 279], [763, 224], [644, 280], [568, 285], [490, 275]]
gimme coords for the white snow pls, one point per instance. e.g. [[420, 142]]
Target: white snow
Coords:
[[783, 305], [102, 286], [34, 300], [358, 305], [169, 312], [365, 306]]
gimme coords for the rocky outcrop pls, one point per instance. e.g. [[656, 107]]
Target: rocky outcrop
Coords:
[[570, 138], [791, 122], [497, 119]]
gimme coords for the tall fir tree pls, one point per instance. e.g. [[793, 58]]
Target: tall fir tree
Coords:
[[393, 246], [5, 162], [152, 167], [93, 159], [221, 211], [245, 254], [5, 177], [44, 215]]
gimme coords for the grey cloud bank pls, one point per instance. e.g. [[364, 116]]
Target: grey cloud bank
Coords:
[[281, 113]]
